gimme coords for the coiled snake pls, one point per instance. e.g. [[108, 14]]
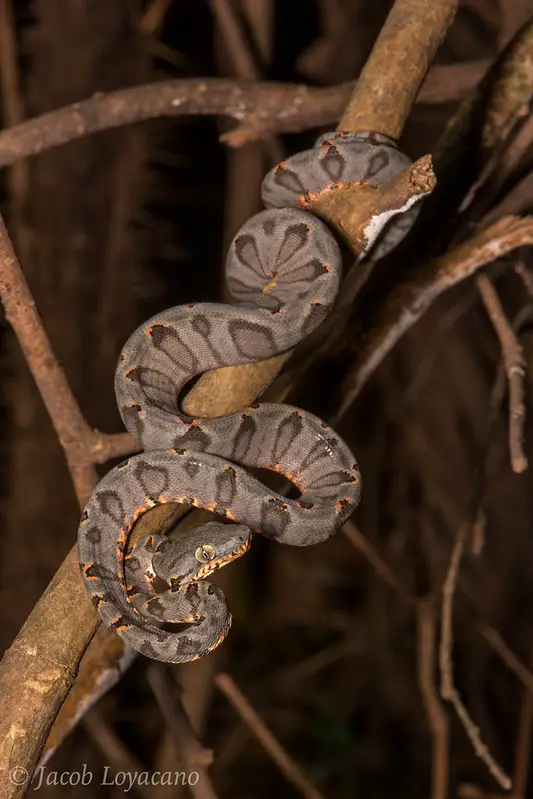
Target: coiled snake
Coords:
[[284, 269]]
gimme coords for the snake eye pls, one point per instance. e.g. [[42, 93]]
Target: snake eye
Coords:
[[205, 553]]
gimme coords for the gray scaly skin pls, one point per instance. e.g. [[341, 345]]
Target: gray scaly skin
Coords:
[[284, 270], [341, 159]]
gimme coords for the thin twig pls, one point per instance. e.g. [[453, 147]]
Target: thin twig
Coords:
[[466, 790], [477, 514], [235, 42], [13, 113], [118, 755], [381, 567], [153, 17], [287, 676], [448, 690], [438, 723], [515, 365], [506, 655], [167, 693], [103, 447], [265, 737], [12, 109], [523, 745], [246, 165], [244, 63], [525, 275], [190, 751]]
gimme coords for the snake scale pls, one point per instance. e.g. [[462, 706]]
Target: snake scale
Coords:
[[283, 269]]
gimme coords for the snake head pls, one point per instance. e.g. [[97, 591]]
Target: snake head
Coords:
[[197, 554]]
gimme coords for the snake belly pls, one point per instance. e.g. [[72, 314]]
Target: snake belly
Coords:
[[283, 269]]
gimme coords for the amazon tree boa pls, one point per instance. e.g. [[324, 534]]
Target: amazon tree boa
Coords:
[[284, 270]]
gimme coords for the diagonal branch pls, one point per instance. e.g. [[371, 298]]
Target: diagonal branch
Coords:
[[515, 364], [266, 737], [190, 751], [413, 32], [412, 295], [71, 428]]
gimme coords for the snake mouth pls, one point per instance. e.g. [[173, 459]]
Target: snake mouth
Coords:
[[218, 563]]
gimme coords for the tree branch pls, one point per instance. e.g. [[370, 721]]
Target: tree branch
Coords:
[[266, 738], [437, 719], [190, 751], [448, 690], [409, 297], [385, 92], [515, 365], [261, 108]]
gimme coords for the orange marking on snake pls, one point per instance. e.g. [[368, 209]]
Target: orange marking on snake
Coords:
[[138, 512], [121, 627], [187, 620], [342, 502], [86, 570]]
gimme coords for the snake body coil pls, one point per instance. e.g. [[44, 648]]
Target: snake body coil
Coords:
[[284, 269]]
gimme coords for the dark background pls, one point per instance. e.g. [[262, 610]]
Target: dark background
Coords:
[[119, 225]]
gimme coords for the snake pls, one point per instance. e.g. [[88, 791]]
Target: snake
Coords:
[[283, 270]]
